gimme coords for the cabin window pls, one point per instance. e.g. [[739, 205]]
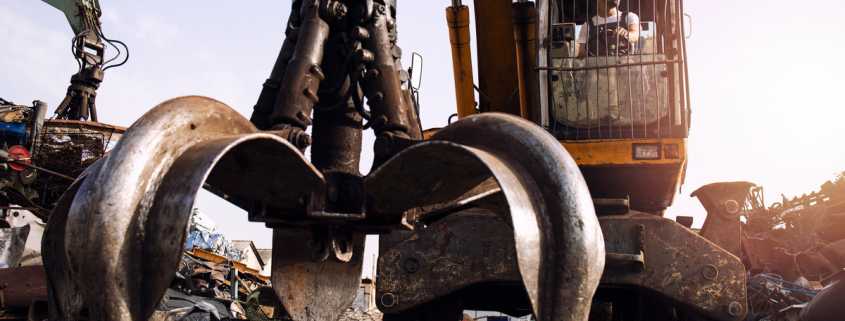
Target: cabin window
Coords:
[[611, 83]]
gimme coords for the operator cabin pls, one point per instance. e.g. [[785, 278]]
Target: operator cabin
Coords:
[[609, 78]]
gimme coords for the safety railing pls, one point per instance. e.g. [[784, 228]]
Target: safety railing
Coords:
[[633, 89]]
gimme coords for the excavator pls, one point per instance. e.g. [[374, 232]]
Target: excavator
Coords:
[[544, 198]]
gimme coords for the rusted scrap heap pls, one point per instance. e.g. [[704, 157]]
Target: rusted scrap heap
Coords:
[[207, 287], [41, 157], [210, 287], [794, 250]]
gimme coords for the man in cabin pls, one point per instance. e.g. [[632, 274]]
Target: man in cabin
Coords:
[[602, 97], [610, 32]]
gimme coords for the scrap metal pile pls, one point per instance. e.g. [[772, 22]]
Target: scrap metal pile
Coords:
[[211, 287], [210, 284], [793, 249], [41, 157], [67, 148]]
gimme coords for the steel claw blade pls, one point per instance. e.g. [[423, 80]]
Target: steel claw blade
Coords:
[[559, 244], [313, 289], [127, 221]]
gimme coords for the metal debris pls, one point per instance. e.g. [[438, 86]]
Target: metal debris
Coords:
[[68, 147], [791, 249], [210, 284], [203, 235], [12, 242], [769, 294], [358, 315], [177, 306]]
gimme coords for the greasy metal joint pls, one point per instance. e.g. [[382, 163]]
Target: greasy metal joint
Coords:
[[735, 309], [388, 300]]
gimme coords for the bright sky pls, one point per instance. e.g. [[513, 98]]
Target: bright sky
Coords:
[[765, 78]]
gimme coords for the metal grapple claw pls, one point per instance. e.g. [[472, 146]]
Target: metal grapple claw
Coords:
[[127, 219], [63, 299], [558, 241]]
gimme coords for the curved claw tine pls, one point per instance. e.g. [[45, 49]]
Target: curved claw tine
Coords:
[[560, 248], [313, 289], [128, 220], [259, 173], [64, 299], [234, 164], [104, 234]]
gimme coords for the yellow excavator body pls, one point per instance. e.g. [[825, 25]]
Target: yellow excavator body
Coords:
[[509, 77]]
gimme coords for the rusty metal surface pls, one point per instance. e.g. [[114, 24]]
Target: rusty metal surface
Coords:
[[392, 111], [571, 255], [67, 148], [766, 255], [270, 90], [675, 262], [144, 188], [213, 258], [298, 93], [239, 174], [461, 250], [724, 203], [86, 125], [833, 228], [64, 299], [309, 288], [557, 239], [20, 287], [795, 238], [644, 252], [337, 53], [790, 248], [834, 253]]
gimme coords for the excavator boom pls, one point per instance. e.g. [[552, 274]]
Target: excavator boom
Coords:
[[81, 14], [89, 45]]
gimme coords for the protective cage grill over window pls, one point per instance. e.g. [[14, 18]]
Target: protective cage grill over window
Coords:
[[619, 73]]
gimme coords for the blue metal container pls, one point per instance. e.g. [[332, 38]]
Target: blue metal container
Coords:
[[13, 133]]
